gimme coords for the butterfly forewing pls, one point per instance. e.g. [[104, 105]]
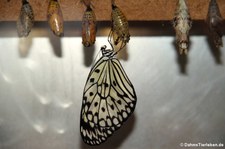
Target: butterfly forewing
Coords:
[[108, 100], [122, 79]]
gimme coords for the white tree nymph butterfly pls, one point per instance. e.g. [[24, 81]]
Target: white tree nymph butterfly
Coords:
[[108, 100]]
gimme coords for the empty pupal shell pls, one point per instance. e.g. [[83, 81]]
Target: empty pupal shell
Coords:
[[26, 19], [182, 24], [120, 26], [215, 22]]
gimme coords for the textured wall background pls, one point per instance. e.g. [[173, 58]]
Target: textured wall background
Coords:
[[42, 78]]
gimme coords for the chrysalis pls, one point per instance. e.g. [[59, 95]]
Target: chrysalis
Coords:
[[26, 19], [120, 26], [215, 22], [108, 100], [89, 27], [182, 24], [55, 17]]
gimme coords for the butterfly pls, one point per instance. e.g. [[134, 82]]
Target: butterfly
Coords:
[[108, 100]]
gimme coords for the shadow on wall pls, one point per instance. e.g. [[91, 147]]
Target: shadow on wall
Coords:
[[88, 55], [116, 140], [123, 54], [182, 59], [216, 52], [56, 44], [24, 46]]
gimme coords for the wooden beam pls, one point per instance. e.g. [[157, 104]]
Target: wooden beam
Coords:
[[136, 10]]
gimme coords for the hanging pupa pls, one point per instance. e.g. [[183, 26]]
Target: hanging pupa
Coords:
[[26, 19], [182, 24], [55, 17], [89, 26], [215, 22], [120, 26]]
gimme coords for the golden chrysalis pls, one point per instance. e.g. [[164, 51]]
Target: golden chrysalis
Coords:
[[55, 17]]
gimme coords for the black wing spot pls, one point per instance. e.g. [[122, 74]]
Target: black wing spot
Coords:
[[91, 94], [92, 80], [125, 95], [114, 83], [112, 107], [96, 104], [119, 102], [103, 109], [113, 99], [97, 70], [106, 85], [88, 104], [119, 95]]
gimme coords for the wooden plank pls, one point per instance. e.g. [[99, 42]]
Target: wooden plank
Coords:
[[136, 10]]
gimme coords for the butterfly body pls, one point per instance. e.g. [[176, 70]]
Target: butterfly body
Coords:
[[109, 99]]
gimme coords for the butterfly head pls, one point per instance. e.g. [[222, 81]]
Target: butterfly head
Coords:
[[107, 52]]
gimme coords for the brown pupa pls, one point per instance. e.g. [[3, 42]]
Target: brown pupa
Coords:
[[55, 17], [89, 27]]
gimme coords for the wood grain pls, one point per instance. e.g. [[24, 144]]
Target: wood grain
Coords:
[[136, 10]]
